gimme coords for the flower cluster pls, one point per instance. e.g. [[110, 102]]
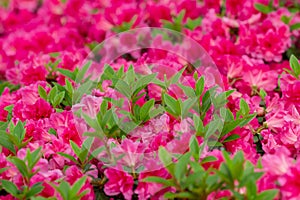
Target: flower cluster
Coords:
[[159, 123]]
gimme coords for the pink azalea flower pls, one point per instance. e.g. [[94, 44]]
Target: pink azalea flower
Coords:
[[157, 13], [90, 105], [147, 190], [279, 163], [39, 110], [130, 151], [275, 121], [33, 74], [37, 130], [260, 77], [270, 142], [118, 182], [290, 89], [214, 164], [290, 187]]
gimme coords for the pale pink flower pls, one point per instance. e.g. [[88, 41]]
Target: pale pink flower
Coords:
[[277, 164], [89, 105]]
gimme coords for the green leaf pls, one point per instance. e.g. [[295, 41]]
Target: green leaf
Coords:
[[145, 109], [214, 143], [123, 88], [285, 19], [83, 193], [294, 63], [175, 78], [120, 72], [159, 83], [155, 112], [9, 108], [69, 87], [231, 125], [166, 159], [206, 102], [194, 179], [188, 91], [96, 152], [42, 92], [212, 127], [52, 131], [10, 188], [199, 86], [104, 106], [192, 24], [246, 120], [251, 188], [144, 81], [3, 126], [194, 148], [198, 124], [226, 114], [109, 73], [187, 105], [75, 148], [58, 99], [43, 198], [20, 164], [295, 26], [78, 185], [237, 165], [130, 75], [3, 170], [52, 94], [180, 16], [6, 142], [225, 174], [6, 84], [35, 189], [86, 146], [262, 93], [196, 167], [267, 195], [172, 104], [68, 156], [136, 112], [244, 107], [63, 189], [19, 131], [263, 8], [108, 118], [92, 122], [82, 89], [82, 72], [54, 54], [67, 73], [231, 138], [180, 168], [35, 155], [208, 159], [181, 195], [154, 179]]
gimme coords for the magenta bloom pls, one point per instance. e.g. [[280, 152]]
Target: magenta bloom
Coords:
[[291, 186], [118, 182]]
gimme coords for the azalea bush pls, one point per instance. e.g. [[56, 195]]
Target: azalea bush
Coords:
[[149, 99]]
